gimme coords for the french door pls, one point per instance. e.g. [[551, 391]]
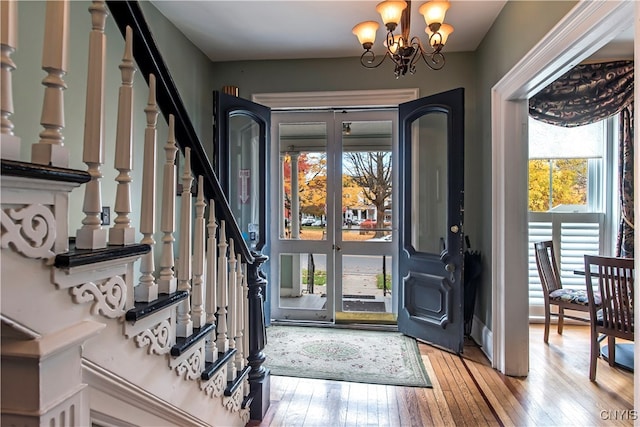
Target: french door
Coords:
[[431, 228], [332, 219]]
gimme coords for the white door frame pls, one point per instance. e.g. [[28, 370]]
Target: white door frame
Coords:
[[585, 29], [338, 99]]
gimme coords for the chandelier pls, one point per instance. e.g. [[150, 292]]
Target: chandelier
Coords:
[[403, 50]]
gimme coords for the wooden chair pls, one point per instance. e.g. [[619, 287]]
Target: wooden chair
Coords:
[[554, 293], [615, 316]]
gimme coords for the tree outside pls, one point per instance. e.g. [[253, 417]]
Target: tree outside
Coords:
[[371, 171], [554, 182], [366, 181], [312, 184]]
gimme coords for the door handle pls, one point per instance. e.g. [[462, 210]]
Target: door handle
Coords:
[[337, 248], [451, 268]]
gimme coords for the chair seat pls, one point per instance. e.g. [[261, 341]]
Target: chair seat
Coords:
[[573, 296]]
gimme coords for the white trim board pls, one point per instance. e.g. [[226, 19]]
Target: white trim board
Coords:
[[336, 99], [585, 29]]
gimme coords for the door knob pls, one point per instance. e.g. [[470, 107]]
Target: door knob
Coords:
[[337, 248], [451, 268]]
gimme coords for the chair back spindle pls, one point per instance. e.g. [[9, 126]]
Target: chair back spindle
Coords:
[[614, 318], [553, 292]]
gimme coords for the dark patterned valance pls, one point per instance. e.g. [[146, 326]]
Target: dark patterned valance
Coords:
[[586, 94]]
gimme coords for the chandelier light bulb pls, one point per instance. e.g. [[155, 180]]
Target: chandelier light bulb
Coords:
[[434, 12], [391, 12], [366, 33], [438, 39]]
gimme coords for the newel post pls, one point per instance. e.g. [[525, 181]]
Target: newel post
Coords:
[[259, 376]]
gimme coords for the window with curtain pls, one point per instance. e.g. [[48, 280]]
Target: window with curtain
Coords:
[[571, 170]]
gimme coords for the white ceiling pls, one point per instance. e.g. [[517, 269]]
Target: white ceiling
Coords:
[[287, 29]]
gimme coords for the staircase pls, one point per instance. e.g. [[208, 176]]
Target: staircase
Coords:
[[109, 325]]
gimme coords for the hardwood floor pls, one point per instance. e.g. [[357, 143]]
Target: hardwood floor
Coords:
[[467, 391]]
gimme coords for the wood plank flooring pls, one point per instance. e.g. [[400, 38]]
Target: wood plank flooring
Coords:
[[468, 392]]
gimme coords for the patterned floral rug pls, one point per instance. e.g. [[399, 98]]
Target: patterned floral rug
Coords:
[[372, 357]]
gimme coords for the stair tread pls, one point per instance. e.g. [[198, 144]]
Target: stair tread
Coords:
[[77, 257], [183, 343], [211, 368], [36, 171], [233, 385], [144, 309]]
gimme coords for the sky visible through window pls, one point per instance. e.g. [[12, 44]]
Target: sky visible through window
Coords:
[[556, 142]]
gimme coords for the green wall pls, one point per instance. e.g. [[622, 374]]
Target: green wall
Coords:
[[193, 84], [522, 24]]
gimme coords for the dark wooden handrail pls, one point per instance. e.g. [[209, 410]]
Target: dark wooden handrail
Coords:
[[150, 61]]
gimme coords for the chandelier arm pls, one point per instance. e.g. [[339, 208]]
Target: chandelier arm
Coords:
[[434, 60], [370, 62]]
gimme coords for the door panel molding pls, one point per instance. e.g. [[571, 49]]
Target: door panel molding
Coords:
[[435, 292]]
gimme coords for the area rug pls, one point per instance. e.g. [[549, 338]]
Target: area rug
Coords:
[[372, 357]]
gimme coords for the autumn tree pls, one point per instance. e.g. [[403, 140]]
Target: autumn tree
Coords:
[[568, 183], [351, 192], [312, 183], [372, 172]]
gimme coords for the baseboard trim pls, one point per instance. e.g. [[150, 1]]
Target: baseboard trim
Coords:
[[126, 392], [483, 336]]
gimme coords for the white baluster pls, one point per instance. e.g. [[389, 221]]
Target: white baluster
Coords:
[[9, 143], [239, 317], [147, 290], [245, 322], [233, 308], [184, 323], [211, 351], [222, 341], [166, 280], [122, 233], [50, 150], [197, 293], [92, 235]]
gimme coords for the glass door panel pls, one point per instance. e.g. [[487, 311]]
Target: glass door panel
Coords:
[[244, 179], [303, 249], [366, 283], [366, 216], [332, 242]]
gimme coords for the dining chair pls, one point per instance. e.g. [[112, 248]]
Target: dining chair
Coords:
[[553, 292], [614, 319]]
